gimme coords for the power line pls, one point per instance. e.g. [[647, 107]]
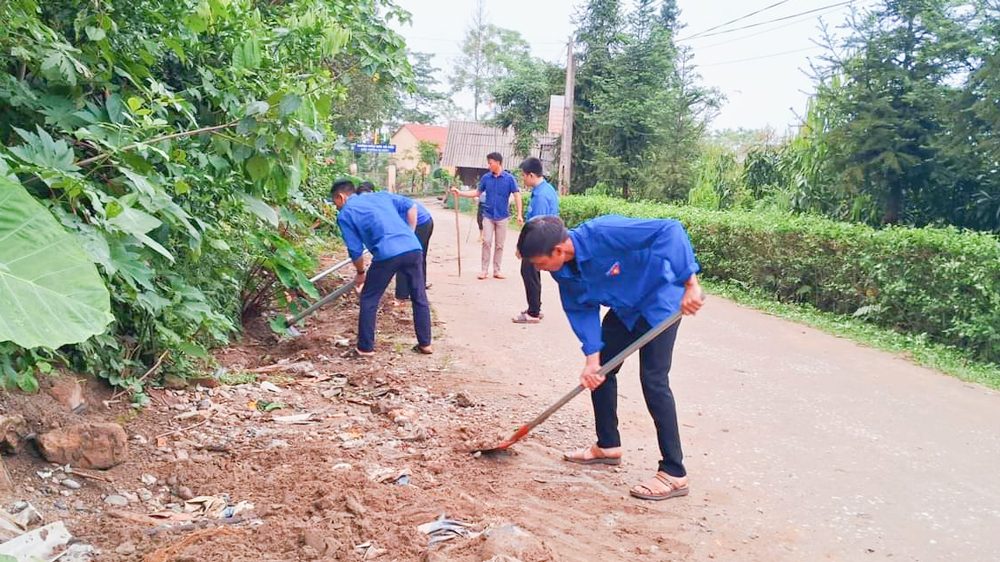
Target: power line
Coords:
[[741, 18], [784, 18], [772, 55], [769, 30]]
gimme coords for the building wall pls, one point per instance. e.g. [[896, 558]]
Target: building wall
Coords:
[[407, 155]]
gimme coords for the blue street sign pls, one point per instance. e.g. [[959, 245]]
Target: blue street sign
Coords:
[[379, 148]]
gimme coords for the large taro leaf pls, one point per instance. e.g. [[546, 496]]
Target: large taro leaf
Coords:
[[50, 292]]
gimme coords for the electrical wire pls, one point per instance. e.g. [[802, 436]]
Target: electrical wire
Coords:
[[768, 56], [739, 19], [703, 35]]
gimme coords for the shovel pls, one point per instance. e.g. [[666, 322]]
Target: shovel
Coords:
[[290, 323], [605, 369]]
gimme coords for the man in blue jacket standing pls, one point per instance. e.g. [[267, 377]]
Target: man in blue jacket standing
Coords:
[[645, 271], [374, 222], [544, 202], [496, 186]]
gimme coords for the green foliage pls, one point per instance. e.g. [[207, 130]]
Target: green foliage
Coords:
[[523, 97], [175, 141], [941, 282], [640, 114], [50, 292], [902, 127]]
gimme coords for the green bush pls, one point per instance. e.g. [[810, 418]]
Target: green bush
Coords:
[[936, 281]]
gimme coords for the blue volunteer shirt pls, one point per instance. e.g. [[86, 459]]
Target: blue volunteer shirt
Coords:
[[544, 201], [498, 189], [403, 206], [372, 221], [637, 267]]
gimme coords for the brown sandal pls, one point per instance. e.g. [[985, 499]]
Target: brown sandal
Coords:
[[590, 455], [674, 488]]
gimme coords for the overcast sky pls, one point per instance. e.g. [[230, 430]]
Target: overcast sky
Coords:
[[759, 69]]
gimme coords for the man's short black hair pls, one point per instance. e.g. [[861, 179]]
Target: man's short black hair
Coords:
[[540, 236], [532, 165], [342, 185], [366, 187], [495, 156]]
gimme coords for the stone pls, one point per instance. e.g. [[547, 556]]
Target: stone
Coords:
[[80, 506], [174, 382], [71, 484], [125, 549], [323, 545], [88, 446], [509, 540], [145, 495], [116, 501], [148, 479], [354, 506], [181, 455], [13, 430], [204, 404], [464, 400], [185, 493], [69, 392]]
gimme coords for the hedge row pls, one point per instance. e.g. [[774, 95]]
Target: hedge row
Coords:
[[936, 281]]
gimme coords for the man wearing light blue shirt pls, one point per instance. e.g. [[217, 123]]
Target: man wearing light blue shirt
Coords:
[[644, 271], [374, 222], [544, 202]]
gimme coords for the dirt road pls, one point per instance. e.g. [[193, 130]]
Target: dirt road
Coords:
[[800, 445]]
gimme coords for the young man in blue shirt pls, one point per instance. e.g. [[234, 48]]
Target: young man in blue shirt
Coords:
[[544, 202], [645, 271], [497, 186], [374, 222], [423, 228]]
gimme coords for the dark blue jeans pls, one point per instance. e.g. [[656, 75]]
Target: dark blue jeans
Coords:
[[410, 267], [654, 370], [423, 233]]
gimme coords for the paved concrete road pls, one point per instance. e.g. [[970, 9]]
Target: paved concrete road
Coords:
[[800, 445]]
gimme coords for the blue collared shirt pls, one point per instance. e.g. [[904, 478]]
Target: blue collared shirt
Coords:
[[404, 204], [372, 221], [637, 267], [544, 201], [498, 190]]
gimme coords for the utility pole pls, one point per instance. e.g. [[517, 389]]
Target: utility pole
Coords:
[[566, 152]]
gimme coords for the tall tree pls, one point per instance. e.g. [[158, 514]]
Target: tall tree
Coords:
[[522, 100], [488, 52]]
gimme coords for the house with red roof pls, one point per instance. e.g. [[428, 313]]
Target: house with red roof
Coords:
[[407, 140]]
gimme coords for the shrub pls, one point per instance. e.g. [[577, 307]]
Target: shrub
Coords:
[[939, 281]]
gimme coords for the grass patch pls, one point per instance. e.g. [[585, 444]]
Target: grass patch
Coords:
[[917, 348]]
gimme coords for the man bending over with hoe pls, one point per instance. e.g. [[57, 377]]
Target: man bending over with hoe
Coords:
[[644, 270], [373, 222]]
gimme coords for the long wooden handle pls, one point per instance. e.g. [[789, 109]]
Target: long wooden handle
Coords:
[[458, 237], [609, 366]]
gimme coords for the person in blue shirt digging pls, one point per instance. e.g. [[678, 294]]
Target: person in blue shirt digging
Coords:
[[373, 222], [645, 271], [544, 202], [423, 228]]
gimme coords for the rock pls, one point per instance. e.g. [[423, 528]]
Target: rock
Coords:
[[89, 445], [125, 549], [509, 540], [145, 495], [174, 382], [148, 479], [131, 497], [80, 506], [322, 544], [26, 515], [172, 480], [464, 400], [116, 500], [185, 493], [354, 506], [181, 455], [71, 484], [13, 430], [68, 392], [204, 404]]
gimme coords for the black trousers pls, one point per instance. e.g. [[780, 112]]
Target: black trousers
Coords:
[[406, 266], [532, 287], [423, 232], [654, 370]]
